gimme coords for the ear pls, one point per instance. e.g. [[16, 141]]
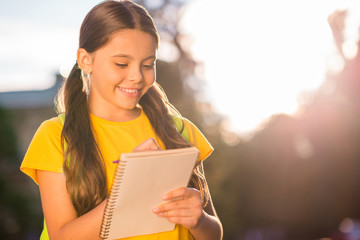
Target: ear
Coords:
[[84, 60]]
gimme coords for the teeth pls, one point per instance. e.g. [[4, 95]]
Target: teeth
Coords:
[[129, 90]]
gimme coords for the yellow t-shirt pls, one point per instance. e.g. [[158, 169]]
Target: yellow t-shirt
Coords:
[[113, 138]]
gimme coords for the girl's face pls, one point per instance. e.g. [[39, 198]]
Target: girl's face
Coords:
[[122, 71]]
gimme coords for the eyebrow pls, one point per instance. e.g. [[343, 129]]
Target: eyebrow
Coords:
[[128, 56]]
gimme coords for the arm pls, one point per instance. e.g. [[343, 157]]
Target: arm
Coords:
[[186, 208], [60, 216], [209, 225]]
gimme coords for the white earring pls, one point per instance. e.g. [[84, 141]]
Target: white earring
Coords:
[[86, 82]]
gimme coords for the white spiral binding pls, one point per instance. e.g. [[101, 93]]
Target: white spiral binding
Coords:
[[111, 202]]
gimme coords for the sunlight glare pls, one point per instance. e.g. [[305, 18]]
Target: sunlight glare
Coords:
[[347, 225], [168, 52], [66, 68], [259, 55], [350, 49]]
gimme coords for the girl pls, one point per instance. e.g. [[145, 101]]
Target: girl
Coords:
[[113, 105]]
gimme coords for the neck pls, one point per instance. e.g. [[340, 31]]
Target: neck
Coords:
[[117, 116]]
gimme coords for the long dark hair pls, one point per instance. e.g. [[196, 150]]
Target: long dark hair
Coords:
[[84, 167]]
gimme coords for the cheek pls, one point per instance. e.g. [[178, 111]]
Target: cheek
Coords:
[[108, 75], [150, 77]]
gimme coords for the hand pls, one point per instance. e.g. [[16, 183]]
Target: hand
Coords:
[[184, 207], [148, 145]]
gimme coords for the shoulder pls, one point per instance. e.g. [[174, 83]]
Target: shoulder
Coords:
[[49, 128], [54, 122], [48, 136], [192, 128], [197, 138], [44, 151], [183, 124]]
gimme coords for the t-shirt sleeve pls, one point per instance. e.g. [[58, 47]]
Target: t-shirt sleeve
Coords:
[[44, 152], [198, 140]]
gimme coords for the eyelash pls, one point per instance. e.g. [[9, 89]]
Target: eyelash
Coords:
[[121, 65], [149, 66], [125, 65]]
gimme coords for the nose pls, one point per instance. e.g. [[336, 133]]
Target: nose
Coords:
[[136, 74]]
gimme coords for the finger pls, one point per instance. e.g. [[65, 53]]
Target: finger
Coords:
[[180, 193], [148, 145], [194, 204], [177, 213], [171, 205]]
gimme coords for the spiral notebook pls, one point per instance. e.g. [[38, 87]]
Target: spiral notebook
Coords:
[[141, 178]]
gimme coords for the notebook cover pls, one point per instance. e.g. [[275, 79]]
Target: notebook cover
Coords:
[[140, 180]]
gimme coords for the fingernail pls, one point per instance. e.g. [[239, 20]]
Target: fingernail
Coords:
[[155, 210], [165, 197]]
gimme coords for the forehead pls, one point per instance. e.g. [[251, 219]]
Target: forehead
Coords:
[[132, 42]]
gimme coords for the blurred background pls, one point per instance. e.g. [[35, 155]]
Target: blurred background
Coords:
[[274, 86]]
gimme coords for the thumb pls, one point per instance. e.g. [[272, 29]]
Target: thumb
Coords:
[[148, 145]]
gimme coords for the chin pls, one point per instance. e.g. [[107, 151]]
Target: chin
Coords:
[[132, 107]]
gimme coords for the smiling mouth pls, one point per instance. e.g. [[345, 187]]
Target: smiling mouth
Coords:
[[131, 92]]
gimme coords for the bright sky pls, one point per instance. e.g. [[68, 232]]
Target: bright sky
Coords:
[[258, 55]]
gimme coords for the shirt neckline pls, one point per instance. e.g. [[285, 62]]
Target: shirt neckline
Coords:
[[99, 120]]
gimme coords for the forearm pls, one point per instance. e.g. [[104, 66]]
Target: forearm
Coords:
[[208, 228], [86, 226]]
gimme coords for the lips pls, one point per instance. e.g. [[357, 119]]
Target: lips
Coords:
[[131, 92]]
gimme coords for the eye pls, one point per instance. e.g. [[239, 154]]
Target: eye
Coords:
[[123, 65], [149, 66]]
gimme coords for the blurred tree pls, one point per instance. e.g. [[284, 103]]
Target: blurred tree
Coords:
[[297, 178], [303, 176], [8, 149], [18, 211], [177, 70], [183, 86]]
